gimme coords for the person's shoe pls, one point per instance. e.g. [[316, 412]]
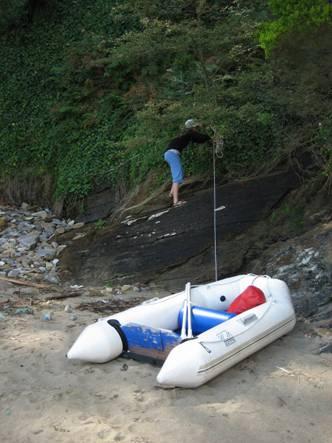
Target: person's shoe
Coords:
[[179, 203]]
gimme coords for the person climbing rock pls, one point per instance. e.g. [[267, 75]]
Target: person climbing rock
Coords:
[[173, 155]]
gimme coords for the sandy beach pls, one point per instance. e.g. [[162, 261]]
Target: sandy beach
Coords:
[[281, 394]]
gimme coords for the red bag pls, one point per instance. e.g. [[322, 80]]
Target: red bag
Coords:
[[248, 299]]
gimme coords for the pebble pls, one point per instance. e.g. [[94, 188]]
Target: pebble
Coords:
[[47, 316], [14, 273], [40, 214], [23, 310], [125, 288], [78, 225], [51, 277], [60, 249], [109, 290]]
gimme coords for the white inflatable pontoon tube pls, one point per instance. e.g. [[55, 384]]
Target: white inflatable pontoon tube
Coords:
[[98, 343]]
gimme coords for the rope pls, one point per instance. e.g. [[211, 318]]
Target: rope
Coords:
[[219, 146], [215, 217], [218, 152]]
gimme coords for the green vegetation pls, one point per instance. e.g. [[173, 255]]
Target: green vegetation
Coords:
[[293, 16], [99, 224], [91, 92], [291, 216]]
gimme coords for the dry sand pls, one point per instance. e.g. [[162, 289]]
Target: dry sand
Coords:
[[281, 394]]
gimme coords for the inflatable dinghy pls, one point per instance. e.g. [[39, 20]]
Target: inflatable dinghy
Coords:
[[197, 333]]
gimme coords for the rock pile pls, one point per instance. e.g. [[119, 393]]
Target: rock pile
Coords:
[[28, 246], [307, 276], [305, 264]]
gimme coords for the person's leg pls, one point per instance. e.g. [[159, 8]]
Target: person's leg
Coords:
[[175, 193], [174, 190], [175, 165]]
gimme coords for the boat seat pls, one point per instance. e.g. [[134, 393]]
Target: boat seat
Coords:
[[149, 342], [203, 319]]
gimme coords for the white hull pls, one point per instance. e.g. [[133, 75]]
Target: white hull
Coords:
[[194, 362]]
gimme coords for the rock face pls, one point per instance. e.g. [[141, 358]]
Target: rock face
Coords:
[[27, 187], [98, 206], [170, 246], [175, 245]]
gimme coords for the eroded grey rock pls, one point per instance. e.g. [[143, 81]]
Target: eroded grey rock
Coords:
[[46, 252], [14, 273], [29, 240], [40, 214], [51, 277]]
